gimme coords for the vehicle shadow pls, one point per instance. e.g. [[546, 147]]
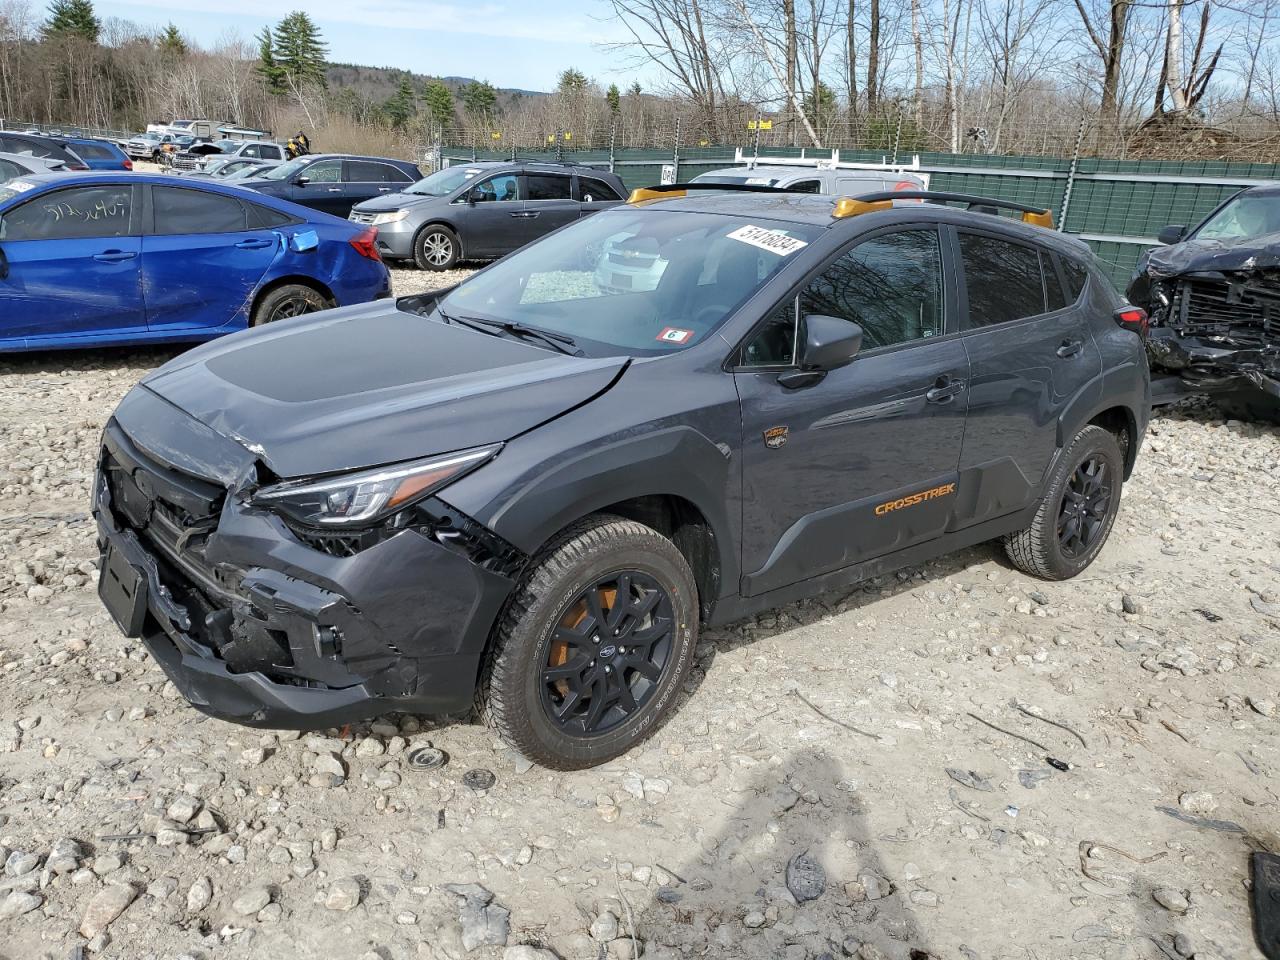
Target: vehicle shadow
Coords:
[[100, 358], [730, 896]]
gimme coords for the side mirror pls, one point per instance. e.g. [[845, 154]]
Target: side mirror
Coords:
[[1172, 233], [301, 181], [474, 195], [829, 344]]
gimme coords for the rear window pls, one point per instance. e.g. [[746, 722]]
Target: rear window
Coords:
[[366, 171], [592, 189], [1003, 279], [93, 151], [261, 217], [542, 187]]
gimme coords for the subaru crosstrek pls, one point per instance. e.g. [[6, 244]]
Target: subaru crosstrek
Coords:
[[532, 491]]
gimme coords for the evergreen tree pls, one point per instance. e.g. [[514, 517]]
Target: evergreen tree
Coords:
[[73, 18], [614, 98], [634, 89], [479, 98], [268, 69], [299, 50], [439, 101], [572, 81], [400, 107], [172, 42]]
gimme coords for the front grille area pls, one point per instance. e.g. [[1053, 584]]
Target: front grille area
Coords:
[[1241, 312]]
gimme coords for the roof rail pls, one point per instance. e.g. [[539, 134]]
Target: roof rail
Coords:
[[832, 162], [668, 191], [1036, 216]]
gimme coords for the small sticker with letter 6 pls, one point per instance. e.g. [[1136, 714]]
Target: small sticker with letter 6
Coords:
[[675, 335]]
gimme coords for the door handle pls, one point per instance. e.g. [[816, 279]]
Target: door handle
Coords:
[[944, 388], [254, 244], [335, 189], [384, 189], [1070, 348], [524, 215], [114, 256]]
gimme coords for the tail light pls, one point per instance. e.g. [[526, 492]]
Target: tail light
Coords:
[[128, 164], [366, 244], [1133, 319], [907, 185]]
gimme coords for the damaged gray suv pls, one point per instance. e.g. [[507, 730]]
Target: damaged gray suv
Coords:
[[533, 489]]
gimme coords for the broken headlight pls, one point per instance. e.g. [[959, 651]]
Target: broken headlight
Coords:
[[362, 498]]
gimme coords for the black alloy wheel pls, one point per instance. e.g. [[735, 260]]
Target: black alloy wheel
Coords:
[[1086, 502], [607, 653]]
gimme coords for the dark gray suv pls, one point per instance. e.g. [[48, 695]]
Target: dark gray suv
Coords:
[[483, 211], [534, 490]]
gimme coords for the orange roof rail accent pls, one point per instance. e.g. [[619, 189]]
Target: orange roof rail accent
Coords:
[[1042, 219], [849, 207], [642, 194]]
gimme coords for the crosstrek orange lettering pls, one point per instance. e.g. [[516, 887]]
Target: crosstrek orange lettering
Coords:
[[916, 498]]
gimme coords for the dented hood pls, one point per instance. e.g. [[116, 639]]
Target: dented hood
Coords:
[[369, 385], [1215, 256]]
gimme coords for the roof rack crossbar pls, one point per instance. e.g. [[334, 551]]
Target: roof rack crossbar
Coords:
[[658, 191]]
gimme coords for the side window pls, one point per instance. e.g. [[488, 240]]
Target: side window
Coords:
[[806, 186], [1055, 298], [1003, 280], [179, 211], [891, 285], [367, 171], [505, 186], [1077, 276], [324, 171], [253, 150], [592, 189], [775, 344], [269, 151], [261, 217], [80, 213], [545, 187]]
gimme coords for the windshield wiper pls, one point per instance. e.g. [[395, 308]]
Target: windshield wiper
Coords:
[[557, 341]]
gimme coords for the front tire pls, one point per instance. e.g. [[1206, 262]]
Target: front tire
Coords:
[[591, 655], [289, 300], [436, 248], [1079, 508]]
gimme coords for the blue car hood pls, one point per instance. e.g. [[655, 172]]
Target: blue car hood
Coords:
[[369, 385]]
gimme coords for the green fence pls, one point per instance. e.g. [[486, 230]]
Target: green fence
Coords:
[[1116, 206]]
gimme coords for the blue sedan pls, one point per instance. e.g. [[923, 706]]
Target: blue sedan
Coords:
[[104, 259]]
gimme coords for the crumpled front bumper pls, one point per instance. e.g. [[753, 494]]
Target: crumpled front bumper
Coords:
[[255, 626], [1209, 365]]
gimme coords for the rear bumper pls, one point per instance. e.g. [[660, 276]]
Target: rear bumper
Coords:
[[254, 626]]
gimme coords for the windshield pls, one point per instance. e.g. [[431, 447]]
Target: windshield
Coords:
[[245, 172], [754, 180], [226, 144], [1246, 215], [633, 281], [444, 181], [149, 136], [287, 170]]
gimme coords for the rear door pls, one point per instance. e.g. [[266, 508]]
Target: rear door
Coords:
[[201, 261], [1031, 354], [594, 194], [366, 179], [490, 216], [70, 266], [549, 205]]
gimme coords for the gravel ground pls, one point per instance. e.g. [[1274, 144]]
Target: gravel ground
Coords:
[[826, 789]]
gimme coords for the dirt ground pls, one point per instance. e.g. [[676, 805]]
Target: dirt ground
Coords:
[[849, 729]]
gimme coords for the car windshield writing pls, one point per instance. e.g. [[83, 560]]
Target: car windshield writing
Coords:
[[1245, 216], [443, 182], [638, 282]]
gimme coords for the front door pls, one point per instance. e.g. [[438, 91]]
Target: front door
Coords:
[[70, 265], [323, 188], [196, 235], [1031, 353], [491, 217], [863, 462]]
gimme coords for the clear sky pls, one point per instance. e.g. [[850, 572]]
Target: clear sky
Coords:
[[508, 43]]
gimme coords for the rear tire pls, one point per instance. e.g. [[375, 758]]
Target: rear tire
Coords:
[[436, 247], [289, 300], [577, 675], [1079, 508]]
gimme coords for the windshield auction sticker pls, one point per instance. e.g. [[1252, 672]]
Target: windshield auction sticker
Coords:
[[775, 241], [675, 335]]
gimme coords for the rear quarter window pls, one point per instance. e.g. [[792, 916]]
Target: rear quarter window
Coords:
[[1077, 275], [1003, 279]]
